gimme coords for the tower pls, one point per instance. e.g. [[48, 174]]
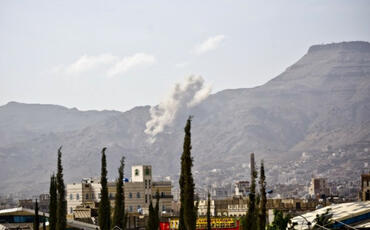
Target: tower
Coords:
[[253, 167]]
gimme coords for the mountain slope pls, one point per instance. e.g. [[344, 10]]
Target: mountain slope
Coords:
[[322, 100]]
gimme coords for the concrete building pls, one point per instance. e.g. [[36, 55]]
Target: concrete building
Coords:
[[79, 193], [202, 207], [138, 192], [318, 188], [232, 206], [164, 189], [44, 200], [241, 188], [141, 190], [365, 187], [222, 192]]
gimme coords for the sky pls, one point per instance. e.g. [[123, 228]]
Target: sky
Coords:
[[115, 55]]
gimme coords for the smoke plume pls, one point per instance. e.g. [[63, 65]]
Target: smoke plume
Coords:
[[182, 97]]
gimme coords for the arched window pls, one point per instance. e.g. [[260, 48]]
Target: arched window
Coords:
[[71, 196], [87, 196], [77, 196], [130, 195], [137, 195]]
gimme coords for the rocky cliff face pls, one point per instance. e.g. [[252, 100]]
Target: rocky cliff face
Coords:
[[322, 100]]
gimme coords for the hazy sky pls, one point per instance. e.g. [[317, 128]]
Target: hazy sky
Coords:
[[120, 54]]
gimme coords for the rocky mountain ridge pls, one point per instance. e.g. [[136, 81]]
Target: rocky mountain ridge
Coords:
[[322, 100]]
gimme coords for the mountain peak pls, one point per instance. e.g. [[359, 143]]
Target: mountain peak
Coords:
[[360, 46]]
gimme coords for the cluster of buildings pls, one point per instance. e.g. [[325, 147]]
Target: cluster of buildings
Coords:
[[227, 202], [83, 198]]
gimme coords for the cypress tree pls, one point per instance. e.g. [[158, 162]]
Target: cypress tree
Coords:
[[209, 212], [36, 220], [104, 206], [280, 222], [251, 216], [156, 211], [263, 201], [61, 223], [53, 203], [150, 225], [43, 222], [119, 207], [187, 209], [182, 195]]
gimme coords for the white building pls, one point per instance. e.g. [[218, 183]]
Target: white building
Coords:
[[86, 191], [202, 207], [242, 188], [138, 192]]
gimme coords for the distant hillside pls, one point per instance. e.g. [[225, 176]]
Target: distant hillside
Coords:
[[322, 100]]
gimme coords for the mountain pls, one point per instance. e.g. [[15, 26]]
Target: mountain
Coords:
[[322, 101]]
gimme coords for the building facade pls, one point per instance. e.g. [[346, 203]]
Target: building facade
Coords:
[[242, 188], [318, 188], [138, 192]]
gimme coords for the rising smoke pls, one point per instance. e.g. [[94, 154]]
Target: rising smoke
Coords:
[[182, 97]]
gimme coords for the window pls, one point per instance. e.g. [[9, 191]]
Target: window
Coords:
[[163, 208], [70, 210], [146, 184], [147, 171], [87, 196], [130, 208], [162, 194], [138, 207], [77, 196], [149, 184], [71, 196], [110, 195], [136, 172], [137, 195], [130, 195], [146, 198]]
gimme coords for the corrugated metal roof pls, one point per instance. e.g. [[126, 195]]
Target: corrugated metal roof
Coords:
[[340, 212]]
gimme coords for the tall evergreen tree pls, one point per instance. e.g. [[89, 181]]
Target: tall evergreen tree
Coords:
[[36, 220], [280, 221], [251, 217], [209, 212], [157, 213], [188, 216], [104, 206], [61, 223], [53, 203], [182, 195], [263, 201], [150, 225], [119, 207], [43, 221]]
